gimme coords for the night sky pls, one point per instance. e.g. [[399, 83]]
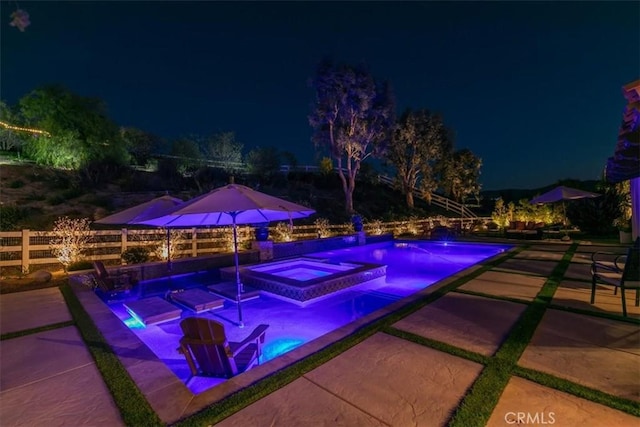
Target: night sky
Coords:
[[534, 89]]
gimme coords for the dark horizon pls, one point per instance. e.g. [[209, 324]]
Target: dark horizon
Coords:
[[534, 89]]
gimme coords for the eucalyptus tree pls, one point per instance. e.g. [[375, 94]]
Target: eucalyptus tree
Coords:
[[419, 142], [351, 119], [460, 175]]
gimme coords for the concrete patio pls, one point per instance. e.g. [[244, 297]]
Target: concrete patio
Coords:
[[50, 377]]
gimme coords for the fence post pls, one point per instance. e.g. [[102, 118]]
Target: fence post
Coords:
[[123, 241], [25, 251], [194, 243]]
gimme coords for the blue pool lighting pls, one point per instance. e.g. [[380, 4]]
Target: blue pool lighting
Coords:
[[279, 347]]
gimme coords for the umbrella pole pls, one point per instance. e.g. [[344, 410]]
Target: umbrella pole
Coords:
[[566, 224], [238, 283], [169, 249]]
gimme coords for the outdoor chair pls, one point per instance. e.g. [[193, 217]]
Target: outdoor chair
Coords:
[[112, 283], [610, 261], [205, 343], [619, 276]]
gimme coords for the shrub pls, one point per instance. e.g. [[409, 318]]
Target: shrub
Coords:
[[375, 227], [11, 216], [70, 240], [136, 255], [283, 232], [80, 265], [322, 227], [326, 166]]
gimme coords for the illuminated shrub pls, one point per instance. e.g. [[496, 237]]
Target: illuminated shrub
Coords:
[[283, 232], [502, 214], [243, 234], [412, 226], [322, 227], [71, 239], [375, 227], [165, 249]]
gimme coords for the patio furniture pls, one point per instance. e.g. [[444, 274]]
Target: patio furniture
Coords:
[[112, 284], [525, 230], [627, 277], [205, 343]]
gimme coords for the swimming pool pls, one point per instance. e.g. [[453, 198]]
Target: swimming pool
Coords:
[[410, 267]]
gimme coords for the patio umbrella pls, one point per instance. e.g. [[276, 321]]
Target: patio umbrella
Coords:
[[232, 204], [147, 210], [562, 194]]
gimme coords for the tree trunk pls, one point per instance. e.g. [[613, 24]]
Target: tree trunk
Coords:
[[349, 201], [410, 199]]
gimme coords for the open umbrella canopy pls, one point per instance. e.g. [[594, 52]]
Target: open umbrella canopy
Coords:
[[562, 193], [147, 210], [231, 204]]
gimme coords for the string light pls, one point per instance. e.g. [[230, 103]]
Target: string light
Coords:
[[21, 129]]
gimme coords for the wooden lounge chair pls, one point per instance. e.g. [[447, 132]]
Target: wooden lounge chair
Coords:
[[627, 277], [205, 343], [112, 283]]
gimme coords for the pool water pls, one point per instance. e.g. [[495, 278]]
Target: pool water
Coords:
[[302, 274], [411, 266]]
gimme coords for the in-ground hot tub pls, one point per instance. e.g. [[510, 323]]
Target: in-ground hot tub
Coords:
[[304, 279]]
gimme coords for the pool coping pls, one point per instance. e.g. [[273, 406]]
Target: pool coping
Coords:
[[169, 397]]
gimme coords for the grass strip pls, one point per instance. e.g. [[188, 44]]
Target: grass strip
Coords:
[[480, 401], [437, 345], [134, 408], [625, 405], [22, 333], [243, 398], [477, 405]]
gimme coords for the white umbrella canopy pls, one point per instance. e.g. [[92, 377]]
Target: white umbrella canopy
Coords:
[[231, 205], [147, 210], [562, 194]]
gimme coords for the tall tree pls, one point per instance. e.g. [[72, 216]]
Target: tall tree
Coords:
[[79, 126], [420, 140], [461, 172], [264, 162], [351, 118], [140, 144], [223, 148]]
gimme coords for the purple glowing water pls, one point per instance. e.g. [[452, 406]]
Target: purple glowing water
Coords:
[[411, 266]]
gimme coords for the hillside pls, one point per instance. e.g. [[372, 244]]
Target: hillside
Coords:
[[34, 197]]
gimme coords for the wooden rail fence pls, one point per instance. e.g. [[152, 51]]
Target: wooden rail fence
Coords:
[[27, 249]]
